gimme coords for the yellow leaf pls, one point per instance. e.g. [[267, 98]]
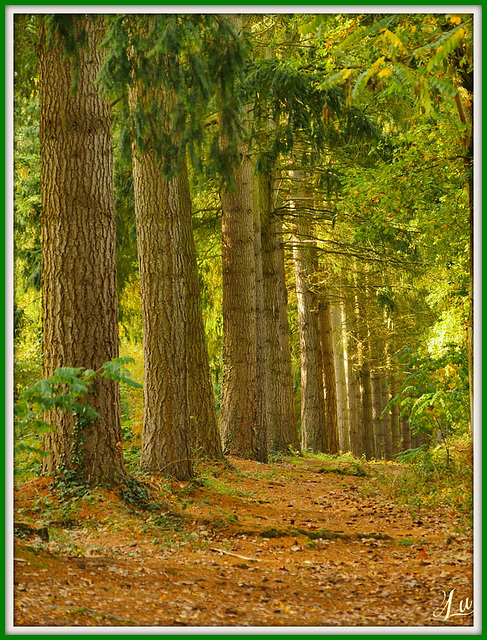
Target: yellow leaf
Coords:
[[384, 73], [377, 64], [455, 19], [394, 39], [346, 73]]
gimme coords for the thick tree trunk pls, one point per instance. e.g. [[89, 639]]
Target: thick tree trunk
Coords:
[[239, 390], [281, 427], [329, 380], [160, 242], [239, 407], [312, 395], [261, 331], [79, 291], [340, 375]]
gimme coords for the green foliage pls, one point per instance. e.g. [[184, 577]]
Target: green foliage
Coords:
[[442, 476], [193, 61], [65, 391], [136, 494], [434, 394]]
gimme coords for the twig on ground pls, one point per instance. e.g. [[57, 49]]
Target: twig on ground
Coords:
[[235, 555]]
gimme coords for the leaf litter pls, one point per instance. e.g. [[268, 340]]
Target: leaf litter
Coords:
[[248, 544]]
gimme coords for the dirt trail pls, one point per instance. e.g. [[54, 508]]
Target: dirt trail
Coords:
[[289, 544]]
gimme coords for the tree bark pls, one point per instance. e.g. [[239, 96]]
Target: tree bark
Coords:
[[312, 395], [160, 243], [239, 407], [395, 422], [364, 363], [353, 377], [376, 381], [329, 380], [281, 427], [405, 434], [239, 387], [261, 334], [341, 381], [79, 289], [205, 436]]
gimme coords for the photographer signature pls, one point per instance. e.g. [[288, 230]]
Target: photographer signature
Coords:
[[465, 607]]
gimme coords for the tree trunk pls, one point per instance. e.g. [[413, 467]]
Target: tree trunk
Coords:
[[329, 380], [205, 436], [405, 434], [281, 427], [340, 375], [353, 377], [239, 389], [239, 407], [261, 331], [395, 423], [312, 395], [376, 383], [382, 437], [366, 397], [160, 242], [387, 419], [364, 363], [79, 289]]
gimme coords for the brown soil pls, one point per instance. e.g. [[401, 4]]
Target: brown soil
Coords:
[[302, 543]]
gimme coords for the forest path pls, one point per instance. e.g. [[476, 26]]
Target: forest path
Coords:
[[300, 543]]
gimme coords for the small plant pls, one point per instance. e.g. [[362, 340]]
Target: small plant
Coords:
[[433, 476], [65, 390], [405, 542], [136, 494]]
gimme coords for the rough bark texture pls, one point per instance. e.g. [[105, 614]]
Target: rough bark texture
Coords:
[[239, 388], [263, 400], [329, 379], [340, 375], [281, 426], [312, 395], [239, 406], [79, 294], [160, 242], [205, 436]]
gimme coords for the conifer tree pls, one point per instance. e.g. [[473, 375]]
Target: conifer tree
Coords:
[[172, 66], [79, 294]]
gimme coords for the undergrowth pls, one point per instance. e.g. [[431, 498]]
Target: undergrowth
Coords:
[[437, 477]]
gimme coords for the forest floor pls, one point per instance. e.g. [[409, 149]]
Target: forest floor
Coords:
[[301, 543]]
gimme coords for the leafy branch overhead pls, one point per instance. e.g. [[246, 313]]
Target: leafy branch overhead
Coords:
[[199, 60]]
